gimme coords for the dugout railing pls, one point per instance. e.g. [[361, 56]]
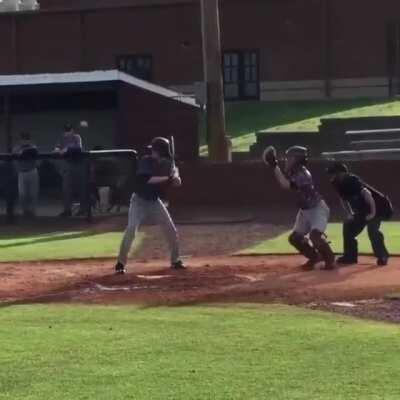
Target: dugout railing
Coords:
[[87, 159]]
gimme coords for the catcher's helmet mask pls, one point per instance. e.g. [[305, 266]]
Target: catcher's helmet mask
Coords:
[[299, 154]]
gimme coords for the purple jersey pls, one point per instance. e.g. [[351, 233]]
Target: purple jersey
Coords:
[[301, 181]]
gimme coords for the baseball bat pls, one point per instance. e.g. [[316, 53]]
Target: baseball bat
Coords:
[[172, 143]]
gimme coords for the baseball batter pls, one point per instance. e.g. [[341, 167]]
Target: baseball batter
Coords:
[[308, 235], [154, 173]]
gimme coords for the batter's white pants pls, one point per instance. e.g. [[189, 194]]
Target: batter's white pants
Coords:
[[140, 209], [28, 188]]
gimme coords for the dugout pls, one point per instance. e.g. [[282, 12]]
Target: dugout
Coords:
[[109, 109], [117, 111]]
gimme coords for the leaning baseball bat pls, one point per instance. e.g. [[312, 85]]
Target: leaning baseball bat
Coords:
[[172, 144]]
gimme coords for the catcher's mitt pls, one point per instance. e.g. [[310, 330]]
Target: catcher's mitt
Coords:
[[269, 156]]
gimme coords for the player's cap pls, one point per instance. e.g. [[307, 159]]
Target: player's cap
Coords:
[[297, 152], [337, 168], [68, 127]]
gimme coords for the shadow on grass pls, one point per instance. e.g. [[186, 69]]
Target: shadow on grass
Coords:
[[48, 239]]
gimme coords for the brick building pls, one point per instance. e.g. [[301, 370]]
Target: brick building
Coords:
[[273, 49]]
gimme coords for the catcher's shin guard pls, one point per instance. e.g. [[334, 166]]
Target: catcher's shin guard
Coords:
[[320, 242], [302, 245]]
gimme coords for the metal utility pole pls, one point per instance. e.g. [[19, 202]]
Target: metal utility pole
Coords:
[[212, 60]]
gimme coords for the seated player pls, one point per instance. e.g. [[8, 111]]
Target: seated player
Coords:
[[152, 176], [365, 206], [308, 235]]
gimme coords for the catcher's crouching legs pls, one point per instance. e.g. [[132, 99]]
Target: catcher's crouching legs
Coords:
[[318, 239], [303, 246]]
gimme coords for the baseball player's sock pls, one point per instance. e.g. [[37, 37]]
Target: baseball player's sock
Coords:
[[65, 214], [120, 268], [81, 212], [178, 265]]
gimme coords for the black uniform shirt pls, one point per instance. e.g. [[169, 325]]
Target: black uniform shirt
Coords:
[[350, 190], [147, 168]]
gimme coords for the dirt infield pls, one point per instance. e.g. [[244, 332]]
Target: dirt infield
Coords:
[[215, 279]]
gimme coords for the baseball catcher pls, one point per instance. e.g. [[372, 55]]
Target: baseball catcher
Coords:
[[308, 235], [153, 175]]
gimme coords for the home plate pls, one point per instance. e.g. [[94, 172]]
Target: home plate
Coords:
[[102, 288], [153, 277], [344, 304], [250, 278]]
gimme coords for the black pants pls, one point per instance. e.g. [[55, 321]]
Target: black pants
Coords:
[[351, 229]]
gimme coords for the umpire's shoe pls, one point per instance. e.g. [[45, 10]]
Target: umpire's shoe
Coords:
[[178, 265], [120, 268]]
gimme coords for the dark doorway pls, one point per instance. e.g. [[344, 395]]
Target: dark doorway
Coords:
[[241, 75], [393, 57]]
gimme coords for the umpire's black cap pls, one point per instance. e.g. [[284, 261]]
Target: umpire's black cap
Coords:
[[337, 168]]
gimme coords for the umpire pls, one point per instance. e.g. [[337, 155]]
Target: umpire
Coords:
[[365, 206]]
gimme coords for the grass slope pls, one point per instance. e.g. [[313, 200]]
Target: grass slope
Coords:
[[241, 352], [244, 119], [280, 244]]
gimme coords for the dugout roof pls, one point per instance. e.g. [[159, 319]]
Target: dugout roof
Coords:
[[17, 84]]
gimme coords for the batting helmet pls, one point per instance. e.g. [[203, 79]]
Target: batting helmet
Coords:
[[162, 146], [300, 153]]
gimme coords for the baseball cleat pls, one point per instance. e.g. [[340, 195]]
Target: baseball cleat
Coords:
[[330, 262], [343, 261], [311, 263], [120, 269], [329, 265], [381, 262], [178, 265]]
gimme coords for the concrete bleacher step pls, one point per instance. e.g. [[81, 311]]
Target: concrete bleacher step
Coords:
[[375, 144], [374, 134], [335, 134], [359, 123]]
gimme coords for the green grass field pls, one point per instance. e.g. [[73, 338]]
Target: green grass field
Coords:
[[81, 245], [235, 352], [61, 246], [244, 119], [280, 245]]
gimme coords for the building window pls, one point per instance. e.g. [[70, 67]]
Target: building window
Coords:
[[140, 66], [241, 76]]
